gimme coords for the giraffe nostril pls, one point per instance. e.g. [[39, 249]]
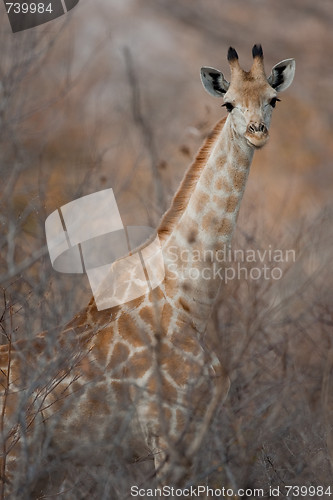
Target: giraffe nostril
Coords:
[[262, 128], [254, 128]]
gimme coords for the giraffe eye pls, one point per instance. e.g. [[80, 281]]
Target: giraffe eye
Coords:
[[273, 101], [229, 106]]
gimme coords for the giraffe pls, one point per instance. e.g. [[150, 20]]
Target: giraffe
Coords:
[[145, 362]]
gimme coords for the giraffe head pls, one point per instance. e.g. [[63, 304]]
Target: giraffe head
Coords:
[[250, 96]]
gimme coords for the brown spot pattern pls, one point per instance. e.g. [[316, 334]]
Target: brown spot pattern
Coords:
[[209, 219], [226, 226], [102, 343], [219, 184], [166, 316], [238, 178], [155, 295], [147, 315], [159, 411], [221, 161], [171, 287], [119, 355], [95, 402], [192, 236], [223, 184], [228, 204], [231, 203], [201, 201], [175, 365], [183, 304], [167, 392], [120, 390], [186, 343], [139, 363], [130, 331], [208, 177], [89, 368]]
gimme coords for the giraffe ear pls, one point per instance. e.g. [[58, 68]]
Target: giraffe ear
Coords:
[[214, 82], [282, 75]]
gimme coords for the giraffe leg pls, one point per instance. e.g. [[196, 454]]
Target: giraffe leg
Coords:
[[160, 455], [172, 465]]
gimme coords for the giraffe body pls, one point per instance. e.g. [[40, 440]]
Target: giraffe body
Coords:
[[141, 373]]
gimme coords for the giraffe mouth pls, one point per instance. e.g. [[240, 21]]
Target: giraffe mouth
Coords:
[[257, 142]]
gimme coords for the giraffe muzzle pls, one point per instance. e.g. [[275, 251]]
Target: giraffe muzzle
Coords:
[[256, 134]]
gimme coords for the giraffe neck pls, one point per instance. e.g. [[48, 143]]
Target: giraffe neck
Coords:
[[200, 223]]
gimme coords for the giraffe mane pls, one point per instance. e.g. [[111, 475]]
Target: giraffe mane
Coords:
[[182, 195], [178, 205]]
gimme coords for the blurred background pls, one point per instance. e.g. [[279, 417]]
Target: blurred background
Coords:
[[109, 95]]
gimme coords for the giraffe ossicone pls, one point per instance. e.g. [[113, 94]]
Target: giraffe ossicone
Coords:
[[146, 362]]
